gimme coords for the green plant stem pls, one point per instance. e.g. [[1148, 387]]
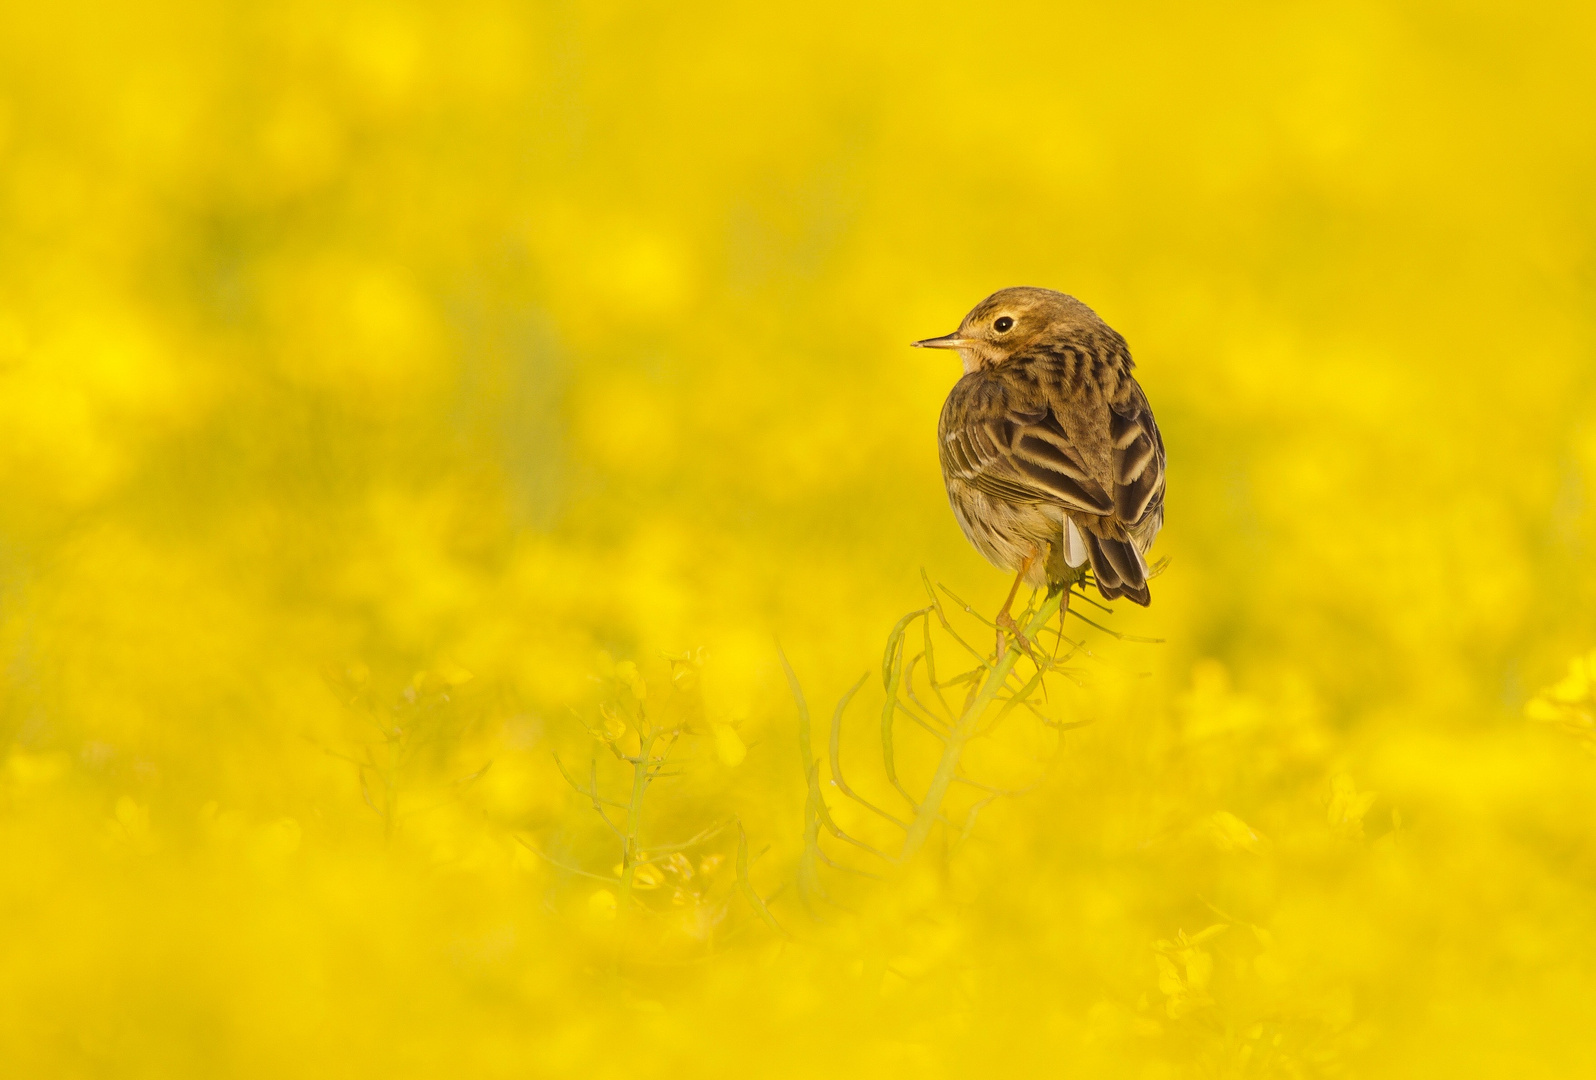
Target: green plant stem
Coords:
[[931, 806], [634, 818]]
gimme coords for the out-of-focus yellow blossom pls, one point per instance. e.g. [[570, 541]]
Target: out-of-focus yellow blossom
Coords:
[[1347, 806], [1184, 970], [1230, 833], [420, 422], [626, 674], [1570, 703]]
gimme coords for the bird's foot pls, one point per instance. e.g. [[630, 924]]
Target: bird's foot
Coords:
[[1006, 624]]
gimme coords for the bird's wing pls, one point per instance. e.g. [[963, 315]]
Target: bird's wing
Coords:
[[1138, 461], [1021, 456]]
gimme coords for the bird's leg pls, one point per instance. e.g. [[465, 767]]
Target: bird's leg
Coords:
[[1063, 610], [1004, 620]]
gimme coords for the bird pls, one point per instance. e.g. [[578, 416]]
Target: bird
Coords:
[[1048, 446]]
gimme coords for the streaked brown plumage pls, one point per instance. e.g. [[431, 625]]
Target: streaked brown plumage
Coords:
[[1048, 445]]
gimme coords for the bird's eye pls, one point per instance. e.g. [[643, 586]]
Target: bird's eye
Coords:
[[1003, 325]]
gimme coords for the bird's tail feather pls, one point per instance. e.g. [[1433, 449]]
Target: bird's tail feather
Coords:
[[1118, 568]]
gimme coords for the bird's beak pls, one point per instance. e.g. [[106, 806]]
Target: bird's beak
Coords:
[[946, 341]]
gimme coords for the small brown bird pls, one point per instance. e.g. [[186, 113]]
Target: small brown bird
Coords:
[[1048, 445]]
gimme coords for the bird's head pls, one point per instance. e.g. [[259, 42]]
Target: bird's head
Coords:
[[1010, 321]]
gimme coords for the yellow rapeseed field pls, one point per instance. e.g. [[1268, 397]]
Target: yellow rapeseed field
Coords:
[[431, 432]]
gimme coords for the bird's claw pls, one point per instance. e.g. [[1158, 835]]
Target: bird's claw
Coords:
[[1006, 623]]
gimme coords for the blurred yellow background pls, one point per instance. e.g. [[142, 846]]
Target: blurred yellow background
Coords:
[[390, 392]]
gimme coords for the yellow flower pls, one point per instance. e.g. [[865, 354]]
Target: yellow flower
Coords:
[[601, 904], [1575, 686], [1347, 806], [627, 675], [1229, 832]]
